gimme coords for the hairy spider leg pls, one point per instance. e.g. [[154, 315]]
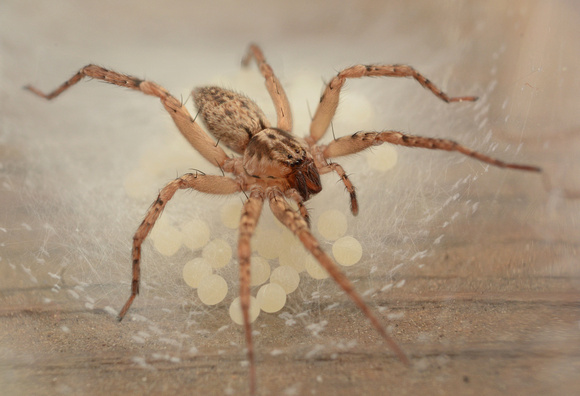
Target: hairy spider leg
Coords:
[[330, 97], [274, 87], [296, 223], [363, 140], [248, 222], [209, 184], [194, 134]]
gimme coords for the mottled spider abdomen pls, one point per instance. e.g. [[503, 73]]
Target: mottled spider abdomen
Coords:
[[277, 154], [231, 117]]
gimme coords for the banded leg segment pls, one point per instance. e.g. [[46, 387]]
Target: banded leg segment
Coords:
[[203, 183], [274, 87], [194, 134], [248, 222], [329, 99], [296, 223], [363, 140]]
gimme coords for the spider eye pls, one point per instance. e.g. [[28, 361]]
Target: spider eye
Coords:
[[290, 156]]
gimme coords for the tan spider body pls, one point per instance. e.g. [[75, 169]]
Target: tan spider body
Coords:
[[274, 165]]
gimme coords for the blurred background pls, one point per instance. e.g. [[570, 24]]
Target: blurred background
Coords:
[[473, 269]]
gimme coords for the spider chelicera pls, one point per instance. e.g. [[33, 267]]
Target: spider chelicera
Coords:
[[273, 164]]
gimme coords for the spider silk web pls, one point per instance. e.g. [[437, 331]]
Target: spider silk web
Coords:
[[81, 219]]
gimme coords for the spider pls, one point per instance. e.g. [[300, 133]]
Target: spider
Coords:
[[272, 164]]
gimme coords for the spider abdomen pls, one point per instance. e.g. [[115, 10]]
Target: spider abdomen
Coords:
[[232, 118]]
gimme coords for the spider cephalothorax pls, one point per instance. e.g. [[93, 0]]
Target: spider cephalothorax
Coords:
[[275, 165], [274, 154]]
